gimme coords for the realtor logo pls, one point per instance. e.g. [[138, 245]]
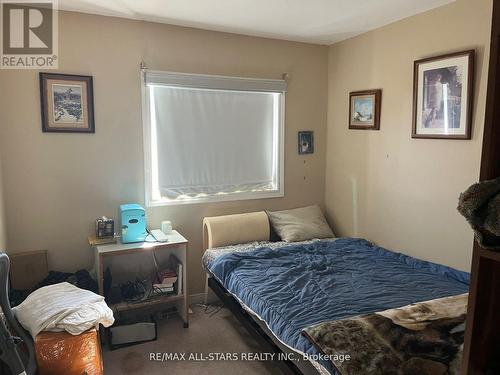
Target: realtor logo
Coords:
[[29, 34]]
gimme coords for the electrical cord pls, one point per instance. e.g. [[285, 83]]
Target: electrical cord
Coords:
[[136, 291], [210, 309], [150, 237]]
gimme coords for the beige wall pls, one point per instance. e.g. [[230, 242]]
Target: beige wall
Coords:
[[3, 230], [57, 184], [396, 191]]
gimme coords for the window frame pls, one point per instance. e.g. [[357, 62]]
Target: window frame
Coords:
[[225, 197]]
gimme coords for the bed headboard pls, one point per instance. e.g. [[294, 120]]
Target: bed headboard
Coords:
[[235, 229]]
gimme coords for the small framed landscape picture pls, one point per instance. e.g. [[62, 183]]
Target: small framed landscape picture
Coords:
[[364, 109], [306, 142], [67, 103], [442, 96]]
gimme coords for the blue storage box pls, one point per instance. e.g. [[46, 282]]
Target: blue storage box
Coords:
[[133, 221]]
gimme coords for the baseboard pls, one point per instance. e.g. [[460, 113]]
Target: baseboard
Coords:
[[200, 298]]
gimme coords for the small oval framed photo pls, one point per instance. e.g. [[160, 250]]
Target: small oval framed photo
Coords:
[[364, 109], [442, 96]]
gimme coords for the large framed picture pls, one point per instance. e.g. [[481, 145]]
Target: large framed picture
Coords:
[[364, 109], [67, 103], [442, 96]]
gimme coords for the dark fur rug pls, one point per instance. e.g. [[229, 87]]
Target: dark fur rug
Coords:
[[425, 338]]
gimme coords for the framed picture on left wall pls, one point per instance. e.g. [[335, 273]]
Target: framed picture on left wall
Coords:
[[67, 102]]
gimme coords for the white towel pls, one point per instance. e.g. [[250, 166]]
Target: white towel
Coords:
[[63, 307]]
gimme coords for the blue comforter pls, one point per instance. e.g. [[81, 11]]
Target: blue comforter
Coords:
[[296, 286]]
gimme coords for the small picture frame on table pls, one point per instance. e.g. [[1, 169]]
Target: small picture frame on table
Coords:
[[67, 103], [306, 142], [364, 109]]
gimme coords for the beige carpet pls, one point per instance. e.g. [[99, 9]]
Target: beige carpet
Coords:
[[219, 333]]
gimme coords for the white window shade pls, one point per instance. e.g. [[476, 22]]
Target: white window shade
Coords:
[[206, 143]]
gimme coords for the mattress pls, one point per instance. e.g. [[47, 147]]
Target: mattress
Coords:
[[293, 286]]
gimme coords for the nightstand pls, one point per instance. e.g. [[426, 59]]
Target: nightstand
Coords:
[[176, 244]]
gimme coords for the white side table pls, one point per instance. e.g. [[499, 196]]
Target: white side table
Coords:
[[176, 243]]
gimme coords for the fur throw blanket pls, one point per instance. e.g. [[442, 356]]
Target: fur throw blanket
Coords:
[[480, 205], [424, 338]]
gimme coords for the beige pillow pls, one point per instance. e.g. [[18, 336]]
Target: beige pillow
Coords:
[[300, 224]]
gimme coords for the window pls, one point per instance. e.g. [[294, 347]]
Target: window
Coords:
[[211, 138]]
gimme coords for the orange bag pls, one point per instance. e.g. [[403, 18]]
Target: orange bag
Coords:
[[61, 353]]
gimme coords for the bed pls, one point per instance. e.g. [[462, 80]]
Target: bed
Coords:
[[278, 289]]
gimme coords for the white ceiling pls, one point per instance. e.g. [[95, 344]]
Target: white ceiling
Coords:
[[312, 21]]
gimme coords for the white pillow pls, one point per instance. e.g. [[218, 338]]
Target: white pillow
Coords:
[[300, 224]]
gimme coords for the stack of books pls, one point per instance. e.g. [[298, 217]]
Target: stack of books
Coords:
[[169, 280], [165, 281]]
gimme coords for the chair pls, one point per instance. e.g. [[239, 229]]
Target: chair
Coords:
[[20, 360]]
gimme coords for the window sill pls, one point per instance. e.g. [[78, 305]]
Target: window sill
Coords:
[[219, 198]]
